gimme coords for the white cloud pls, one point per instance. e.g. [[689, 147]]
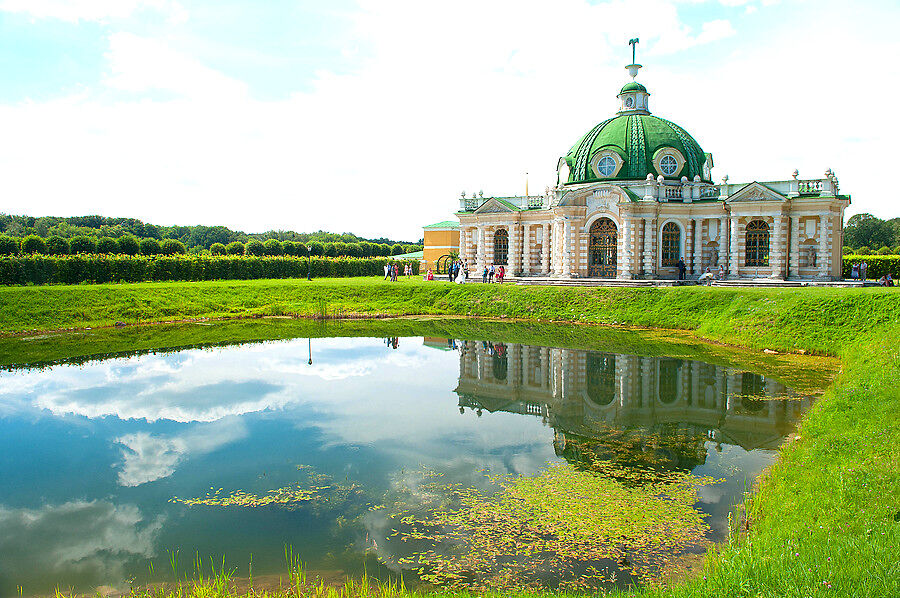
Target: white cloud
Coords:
[[95, 538], [139, 64], [92, 10], [147, 458], [444, 98]]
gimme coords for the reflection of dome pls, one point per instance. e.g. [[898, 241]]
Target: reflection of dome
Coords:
[[634, 144]]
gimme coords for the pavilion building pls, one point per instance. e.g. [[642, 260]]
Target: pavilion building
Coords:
[[635, 195]]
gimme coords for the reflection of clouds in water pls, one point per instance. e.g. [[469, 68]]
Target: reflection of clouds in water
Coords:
[[205, 384], [96, 538], [147, 458]]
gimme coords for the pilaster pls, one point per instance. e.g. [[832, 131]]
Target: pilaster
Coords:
[[793, 265], [526, 249], [733, 255], [545, 249]]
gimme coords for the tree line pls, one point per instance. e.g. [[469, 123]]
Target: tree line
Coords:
[[865, 234], [195, 239], [131, 245]]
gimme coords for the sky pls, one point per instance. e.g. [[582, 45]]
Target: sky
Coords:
[[373, 116]]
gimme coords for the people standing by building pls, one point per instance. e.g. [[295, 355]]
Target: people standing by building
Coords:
[[863, 271], [854, 271], [484, 274], [491, 272], [501, 272], [682, 269], [387, 270], [721, 274]]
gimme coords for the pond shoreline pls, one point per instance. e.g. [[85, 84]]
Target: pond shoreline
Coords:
[[826, 517]]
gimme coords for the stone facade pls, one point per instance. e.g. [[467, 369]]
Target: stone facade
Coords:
[[799, 230], [635, 195]]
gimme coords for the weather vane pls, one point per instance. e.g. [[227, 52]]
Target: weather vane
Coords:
[[633, 42]]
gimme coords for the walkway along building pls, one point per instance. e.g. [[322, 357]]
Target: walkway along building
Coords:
[[635, 194]]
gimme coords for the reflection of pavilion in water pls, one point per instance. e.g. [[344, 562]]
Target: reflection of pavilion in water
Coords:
[[585, 394]]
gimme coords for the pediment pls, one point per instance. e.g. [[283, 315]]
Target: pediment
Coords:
[[494, 206], [755, 192], [594, 198]]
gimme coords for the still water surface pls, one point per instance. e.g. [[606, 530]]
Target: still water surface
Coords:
[[111, 466]]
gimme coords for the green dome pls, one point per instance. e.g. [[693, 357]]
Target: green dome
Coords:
[[633, 86], [635, 138]]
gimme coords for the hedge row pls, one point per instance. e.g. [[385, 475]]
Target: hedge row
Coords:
[[75, 269], [129, 245], [876, 265]]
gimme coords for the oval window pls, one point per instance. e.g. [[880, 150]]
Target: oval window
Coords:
[[669, 165], [606, 166]]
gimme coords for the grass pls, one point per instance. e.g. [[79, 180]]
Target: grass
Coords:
[[825, 520]]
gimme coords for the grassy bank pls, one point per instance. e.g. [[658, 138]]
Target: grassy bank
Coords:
[[825, 520]]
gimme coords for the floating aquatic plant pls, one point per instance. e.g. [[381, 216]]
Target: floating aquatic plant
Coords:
[[577, 529]]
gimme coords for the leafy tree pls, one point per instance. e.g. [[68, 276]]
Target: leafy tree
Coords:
[[255, 247], [884, 250], [235, 248], [172, 247], [83, 244], [33, 244], [846, 250], [273, 247], [316, 248], [217, 249], [150, 247], [866, 230], [396, 249], [863, 251], [57, 245], [129, 245], [331, 249], [8, 245], [107, 245]]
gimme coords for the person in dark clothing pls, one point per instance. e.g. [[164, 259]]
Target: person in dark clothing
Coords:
[[682, 269]]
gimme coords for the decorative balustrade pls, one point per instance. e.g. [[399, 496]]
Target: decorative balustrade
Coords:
[[707, 192], [473, 204], [812, 187], [535, 201], [673, 192]]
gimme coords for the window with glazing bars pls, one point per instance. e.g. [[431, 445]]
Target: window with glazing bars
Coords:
[[671, 244], [757, 243]]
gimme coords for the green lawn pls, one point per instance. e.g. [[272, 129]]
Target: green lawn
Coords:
[[825, 520]]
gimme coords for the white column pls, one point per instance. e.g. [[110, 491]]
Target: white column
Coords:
[[689, 247], [824, 261], [778, 251], [515, 249], [627, 233], [489, 246], [566, 250], [698, 246], [793, 265], [480, 260], [723, 248], [649, 247], [733, 257], [526, 250], [545, 249]]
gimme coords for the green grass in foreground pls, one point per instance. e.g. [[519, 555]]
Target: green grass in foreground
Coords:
[[826, 518]]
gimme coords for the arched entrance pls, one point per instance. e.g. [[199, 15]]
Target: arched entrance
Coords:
[[602, 249], [501, 247]]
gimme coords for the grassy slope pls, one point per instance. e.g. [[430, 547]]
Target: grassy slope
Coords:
[[826, 520]]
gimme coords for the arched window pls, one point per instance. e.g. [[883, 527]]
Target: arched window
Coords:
[[757, 243], [601, 378], [670, 249], [501, 246], [669, 380]]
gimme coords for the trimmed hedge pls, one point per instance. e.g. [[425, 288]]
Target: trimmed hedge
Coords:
[[878, 265], [74, 269]]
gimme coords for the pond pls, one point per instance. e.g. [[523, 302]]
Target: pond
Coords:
[[453, 461]]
